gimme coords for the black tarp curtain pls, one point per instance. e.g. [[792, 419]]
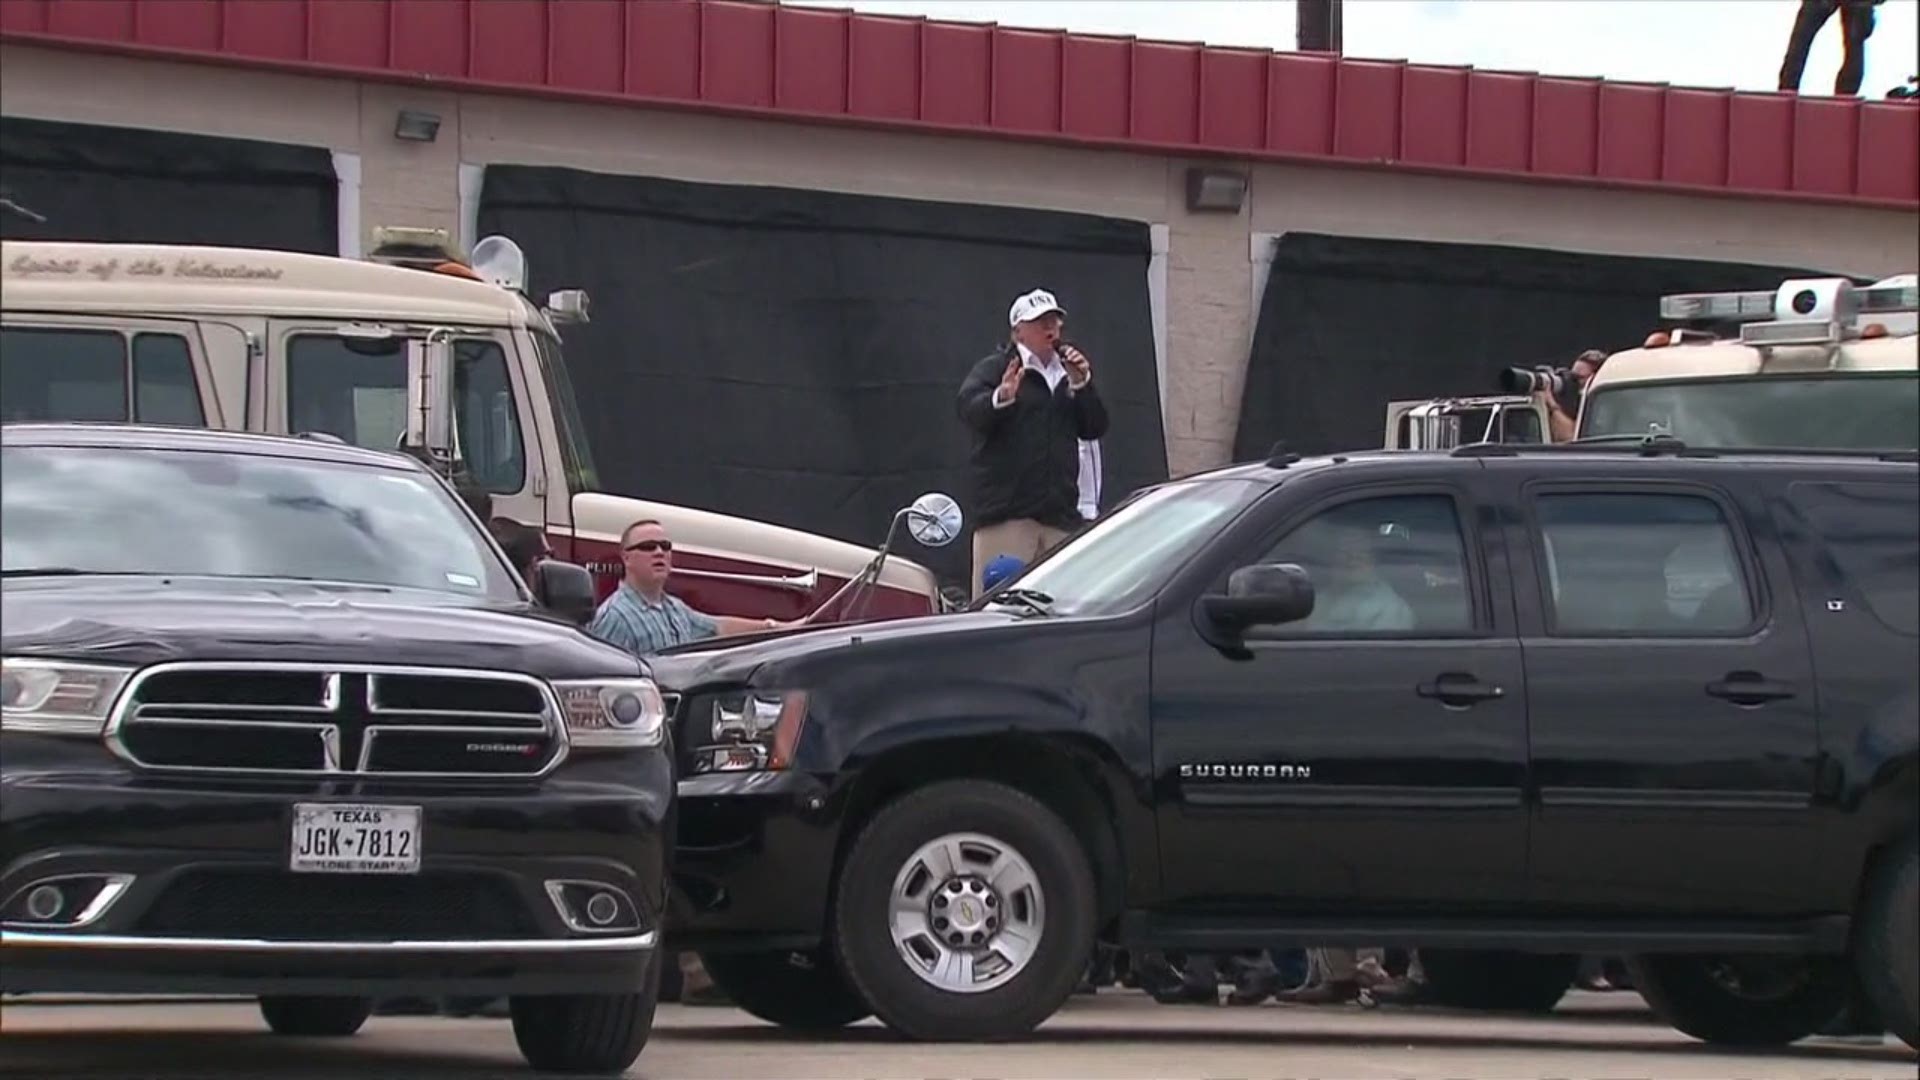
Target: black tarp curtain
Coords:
[[793, 356], [100, 183], [1347, 324]]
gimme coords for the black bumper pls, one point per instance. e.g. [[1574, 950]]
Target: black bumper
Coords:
[[202, 899], [754, 862]]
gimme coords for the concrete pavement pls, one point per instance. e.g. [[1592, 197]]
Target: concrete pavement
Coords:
[[1121, 1035]]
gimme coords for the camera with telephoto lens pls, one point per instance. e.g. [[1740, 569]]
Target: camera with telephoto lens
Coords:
[[1558, 381]]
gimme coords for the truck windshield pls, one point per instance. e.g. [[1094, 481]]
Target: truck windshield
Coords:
[[1823, 412], [1126, 557], [575, 455], [113, 510]]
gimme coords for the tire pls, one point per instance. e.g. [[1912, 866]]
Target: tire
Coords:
[[803, 991], [1886, 946], [316, 1017], [1047, 889], [587, 1033], [1709, 997], [1498, 980]]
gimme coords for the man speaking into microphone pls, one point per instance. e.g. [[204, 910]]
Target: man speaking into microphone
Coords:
[[1028, 406]]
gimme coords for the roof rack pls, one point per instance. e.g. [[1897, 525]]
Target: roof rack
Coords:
[[1663, 444]]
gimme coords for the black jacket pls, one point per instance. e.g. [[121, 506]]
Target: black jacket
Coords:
[[1026, 457]]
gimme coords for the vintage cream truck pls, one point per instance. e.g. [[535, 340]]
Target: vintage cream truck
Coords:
[[414, 343]]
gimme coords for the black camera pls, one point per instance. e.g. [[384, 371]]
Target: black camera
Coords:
[[1556, 381]]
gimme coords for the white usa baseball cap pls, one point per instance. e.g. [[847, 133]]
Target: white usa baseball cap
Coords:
[[1032, 306]]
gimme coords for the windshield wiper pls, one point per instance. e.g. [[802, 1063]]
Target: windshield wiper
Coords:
[[1032, 599], [50, 571]]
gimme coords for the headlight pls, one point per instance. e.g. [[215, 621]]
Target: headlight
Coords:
[[751, 730], [58, 697], [612, 714]]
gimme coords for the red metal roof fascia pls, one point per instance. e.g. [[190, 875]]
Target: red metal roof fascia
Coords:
[[746, 58]]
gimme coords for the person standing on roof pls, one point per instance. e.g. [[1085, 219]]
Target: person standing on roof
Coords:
[[1856, 26], [1028, 406]]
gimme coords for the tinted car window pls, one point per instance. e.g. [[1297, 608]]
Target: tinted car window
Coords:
[[1642, 564], [1869, 534], [113, 510], [1393, 565], [78, 375]]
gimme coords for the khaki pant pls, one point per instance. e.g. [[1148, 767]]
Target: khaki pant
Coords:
[[1021, 538]]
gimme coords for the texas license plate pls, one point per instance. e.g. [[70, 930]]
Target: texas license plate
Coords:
[[351, 838]]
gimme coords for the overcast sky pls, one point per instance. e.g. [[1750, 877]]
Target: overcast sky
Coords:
[[1713, 43]]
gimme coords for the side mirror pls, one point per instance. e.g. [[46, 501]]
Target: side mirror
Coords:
[[934, 519], [565, 589], [568, 306], [429, 417], [1259, 595]]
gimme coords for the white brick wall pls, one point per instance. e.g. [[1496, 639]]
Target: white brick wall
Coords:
[[1209, 282]]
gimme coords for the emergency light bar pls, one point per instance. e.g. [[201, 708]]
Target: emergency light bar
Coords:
[[1726, 305], [1802, 298], [418, 248]]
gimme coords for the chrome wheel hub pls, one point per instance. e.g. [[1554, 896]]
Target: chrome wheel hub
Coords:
[[966, 913]]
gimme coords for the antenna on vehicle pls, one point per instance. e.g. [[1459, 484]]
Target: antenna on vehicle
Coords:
[[1281, 457]]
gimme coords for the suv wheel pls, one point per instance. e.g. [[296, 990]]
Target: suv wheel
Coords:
[[1498, 981], [1744, 1000], [587, 1033], [965, 911], [332, 1017], [1886, 951], [795, 990]]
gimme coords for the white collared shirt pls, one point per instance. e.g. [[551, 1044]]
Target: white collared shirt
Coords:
[[1050, 369]]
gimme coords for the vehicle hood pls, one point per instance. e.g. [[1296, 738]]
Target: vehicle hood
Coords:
[[139, 620], [737, 660]]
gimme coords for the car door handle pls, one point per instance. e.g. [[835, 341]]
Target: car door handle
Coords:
[[1750, 688], [1460, 690]]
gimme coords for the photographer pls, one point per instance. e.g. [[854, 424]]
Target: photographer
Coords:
[[1559, 391]]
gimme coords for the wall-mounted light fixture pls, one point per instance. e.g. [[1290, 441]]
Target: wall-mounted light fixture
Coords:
[[416, 125], [1219, 190]]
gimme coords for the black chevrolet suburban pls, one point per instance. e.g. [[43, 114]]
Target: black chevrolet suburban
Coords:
[[281, 720], [1504, 705]]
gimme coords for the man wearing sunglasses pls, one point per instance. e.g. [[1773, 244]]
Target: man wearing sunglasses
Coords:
[[641, 616]]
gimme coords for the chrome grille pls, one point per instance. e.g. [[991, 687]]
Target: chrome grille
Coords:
[[338, 719]]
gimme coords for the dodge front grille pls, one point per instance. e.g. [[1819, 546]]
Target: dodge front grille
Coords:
[[338, 719]]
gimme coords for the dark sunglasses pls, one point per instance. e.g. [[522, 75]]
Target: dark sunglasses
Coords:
[[651, 545]]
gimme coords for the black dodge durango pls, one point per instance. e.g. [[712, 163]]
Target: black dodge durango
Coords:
[[280, 719]]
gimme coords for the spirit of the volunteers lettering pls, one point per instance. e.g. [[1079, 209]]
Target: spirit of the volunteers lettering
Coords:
[[28, 265]]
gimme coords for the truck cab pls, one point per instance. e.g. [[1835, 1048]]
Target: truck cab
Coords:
[[417, 347], [1813, 364]]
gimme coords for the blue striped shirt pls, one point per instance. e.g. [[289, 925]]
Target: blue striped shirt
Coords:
[[641, 626]]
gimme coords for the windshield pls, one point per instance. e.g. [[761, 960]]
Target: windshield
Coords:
[[138, 511], [1126, 556], [575, 455], [1824, 412]]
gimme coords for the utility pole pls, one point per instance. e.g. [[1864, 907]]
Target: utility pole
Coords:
[[1317, 25]]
